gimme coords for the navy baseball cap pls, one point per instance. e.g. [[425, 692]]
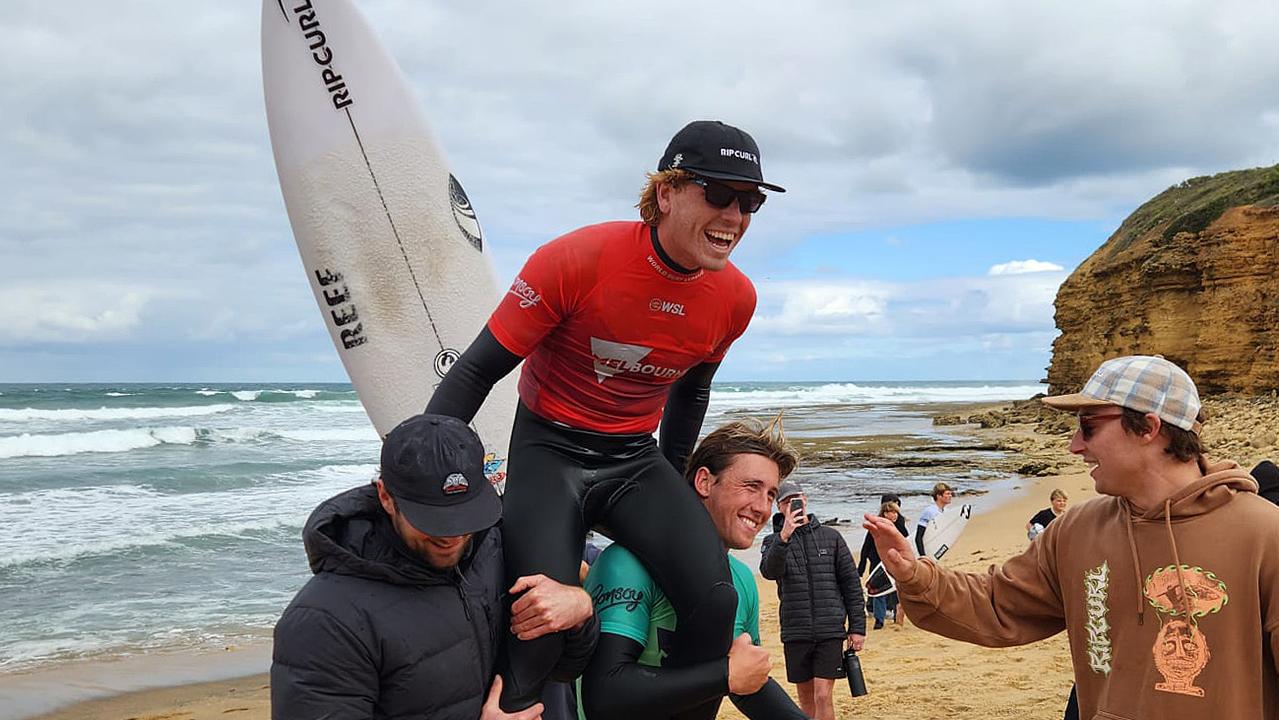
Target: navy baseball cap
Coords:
[[433, 465], [715, 150]]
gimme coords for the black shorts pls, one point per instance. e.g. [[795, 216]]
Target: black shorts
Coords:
[[807, 660]]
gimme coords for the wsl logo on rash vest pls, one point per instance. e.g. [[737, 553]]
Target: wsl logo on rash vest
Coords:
[[666, 306], [612, 358], [464, 214]]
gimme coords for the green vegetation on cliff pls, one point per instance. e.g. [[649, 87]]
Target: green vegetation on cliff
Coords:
[[1192, 205]]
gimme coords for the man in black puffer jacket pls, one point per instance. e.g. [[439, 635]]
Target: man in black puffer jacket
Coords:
[[822, 609], [405, 613]]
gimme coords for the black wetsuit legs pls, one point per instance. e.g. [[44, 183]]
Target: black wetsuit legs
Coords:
[[564, 480], [660, 519]]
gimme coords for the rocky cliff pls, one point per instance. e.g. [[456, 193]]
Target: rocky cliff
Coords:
[[1192, 275]]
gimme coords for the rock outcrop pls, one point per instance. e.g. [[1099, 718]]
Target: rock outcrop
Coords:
[[1192, 275]]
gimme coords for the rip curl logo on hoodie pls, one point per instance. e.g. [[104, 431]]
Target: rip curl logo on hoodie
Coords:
[[1096, 592], [1181, 649]]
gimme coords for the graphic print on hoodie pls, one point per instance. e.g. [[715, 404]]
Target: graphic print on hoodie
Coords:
[[1181, 649]]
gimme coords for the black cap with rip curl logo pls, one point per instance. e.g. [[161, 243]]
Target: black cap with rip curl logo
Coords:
[[715, 150]]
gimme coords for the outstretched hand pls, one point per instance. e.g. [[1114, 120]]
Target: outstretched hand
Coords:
[[894, 549], [547, 606]]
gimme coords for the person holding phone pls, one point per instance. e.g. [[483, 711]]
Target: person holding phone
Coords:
[[822, 609]]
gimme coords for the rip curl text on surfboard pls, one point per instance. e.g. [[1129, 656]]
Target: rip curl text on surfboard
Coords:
[[343, 311], [323, 56]]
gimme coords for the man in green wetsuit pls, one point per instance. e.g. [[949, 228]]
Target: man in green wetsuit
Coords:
[[735, 471]]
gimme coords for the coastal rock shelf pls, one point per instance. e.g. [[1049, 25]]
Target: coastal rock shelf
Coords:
[[1191, 276], [1034, 438]]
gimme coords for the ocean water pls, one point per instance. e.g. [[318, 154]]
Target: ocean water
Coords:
[[143, 517]]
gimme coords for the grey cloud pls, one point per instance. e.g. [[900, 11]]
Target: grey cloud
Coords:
[[136, 146], [1056, 91]]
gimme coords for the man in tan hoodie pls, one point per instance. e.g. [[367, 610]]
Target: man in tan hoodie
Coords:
[[1167, 587]]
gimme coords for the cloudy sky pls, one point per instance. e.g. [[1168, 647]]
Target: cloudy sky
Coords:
[[949, 163]]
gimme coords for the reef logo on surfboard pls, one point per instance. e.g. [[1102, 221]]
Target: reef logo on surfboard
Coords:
[[464, 214]]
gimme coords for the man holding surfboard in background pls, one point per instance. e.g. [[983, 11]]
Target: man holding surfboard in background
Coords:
[[943, 495], [621, 326]]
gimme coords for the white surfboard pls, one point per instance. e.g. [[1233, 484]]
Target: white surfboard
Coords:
[[388, 238], [944, 530], [940, 536]]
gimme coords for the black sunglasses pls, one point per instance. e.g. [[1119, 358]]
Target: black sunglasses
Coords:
[[720, 195], [1088, 423]]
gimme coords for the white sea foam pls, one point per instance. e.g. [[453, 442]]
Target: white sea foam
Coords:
[[236, 435], [97, 441], [120, 394], [853, 394], [21, 653], [252, 395], [359, 433], [119, 518], [346, 407], [105, 413], [125, 440]]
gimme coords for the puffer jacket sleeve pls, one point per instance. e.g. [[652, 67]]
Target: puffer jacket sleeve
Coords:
[[320, 668], [850, 587], [772, 558]]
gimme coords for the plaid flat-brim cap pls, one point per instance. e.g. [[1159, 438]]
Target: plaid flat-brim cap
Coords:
[[1145, 383]]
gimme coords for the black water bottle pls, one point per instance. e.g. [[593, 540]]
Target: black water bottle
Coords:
[[853, 668]]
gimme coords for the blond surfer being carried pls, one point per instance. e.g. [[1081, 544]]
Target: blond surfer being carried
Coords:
[[621, 327]]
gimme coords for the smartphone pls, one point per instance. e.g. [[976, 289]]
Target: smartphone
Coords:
[[796, 504]]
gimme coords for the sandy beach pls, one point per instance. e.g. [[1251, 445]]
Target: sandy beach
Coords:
[[903, 665], [909, 672]]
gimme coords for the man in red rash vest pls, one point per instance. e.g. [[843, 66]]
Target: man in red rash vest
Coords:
[[622, 326]]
